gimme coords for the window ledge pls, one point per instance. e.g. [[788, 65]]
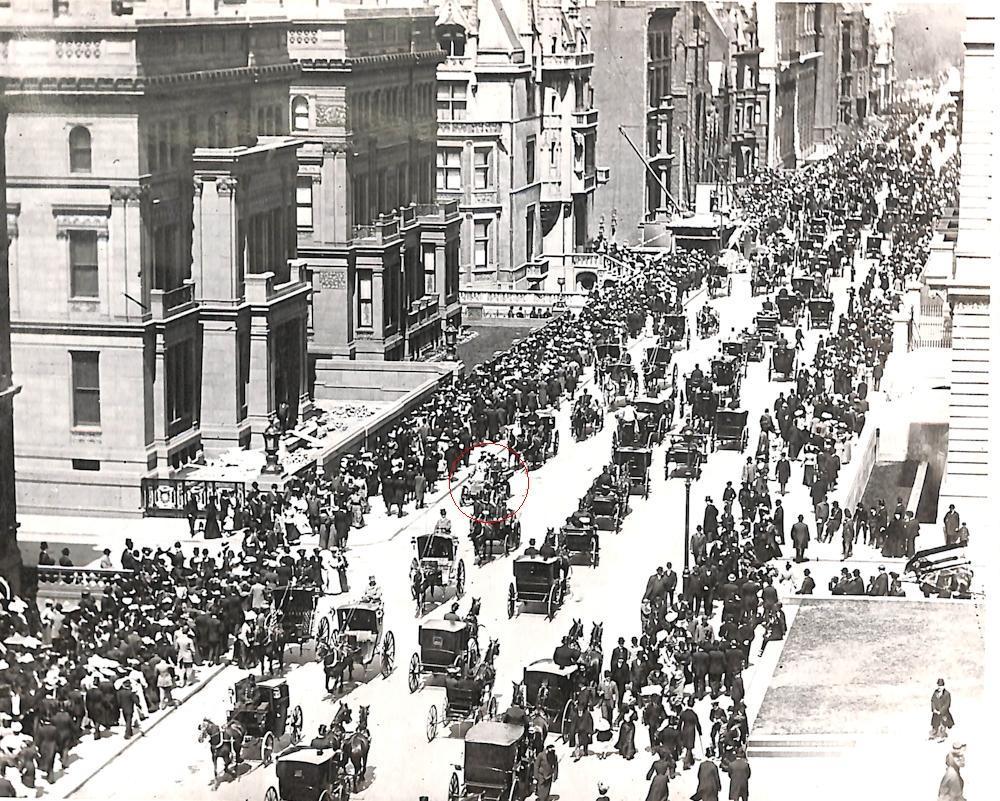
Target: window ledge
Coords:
[[86, 430], [95, 301]]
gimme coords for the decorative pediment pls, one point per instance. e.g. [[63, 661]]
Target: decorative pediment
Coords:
[[77, 216]]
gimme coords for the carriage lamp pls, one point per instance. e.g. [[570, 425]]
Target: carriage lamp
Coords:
[[450, 337], [272, 437]]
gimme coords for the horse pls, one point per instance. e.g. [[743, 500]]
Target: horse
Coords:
[[338, 659], [472, 617], [538, 727], [357, 747], [224, 742], [423, 581], [591, 660], [269, 643]]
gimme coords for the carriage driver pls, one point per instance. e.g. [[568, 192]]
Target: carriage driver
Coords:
[[443, 524], [453, 615], [373, 595]]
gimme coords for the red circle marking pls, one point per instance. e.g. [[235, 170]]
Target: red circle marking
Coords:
[[453, 467]]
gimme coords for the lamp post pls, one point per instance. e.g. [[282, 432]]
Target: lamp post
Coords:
[[687, 521], [450, 337], [272, 436]]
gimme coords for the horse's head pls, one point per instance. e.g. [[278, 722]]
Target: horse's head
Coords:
[[343, 715], [363, 718], [477, 604], [206, 729]]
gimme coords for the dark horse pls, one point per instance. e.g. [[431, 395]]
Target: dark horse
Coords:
[[225, 743], [591, 660], [357, 747], [338, 659], [269, 643], [423, 581]]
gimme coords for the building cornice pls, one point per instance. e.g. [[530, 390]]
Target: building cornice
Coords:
[[139, 85], [370, 62]]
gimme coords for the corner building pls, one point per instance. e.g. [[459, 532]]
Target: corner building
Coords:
[[157, 309]]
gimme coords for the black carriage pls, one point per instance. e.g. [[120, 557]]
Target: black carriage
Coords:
[[557, 687], [618, 376], [720, 282], [296, 608], [767, 326], [704, 402], [539, 437], [784, 363], [655, 367], [686, 450], [310, 774], [821, 313], [789, 309], [608, 352], [737, 350], [636, 462], [501, 534], [537, 580], [494, 753], [753, 348], [675, 331], [446, 646], [465, 698], [437, 556], [360, 632], [581, 536], [262, 708], [726, 376], [651, 419], [730, 429], [802, 285], [607, 510], [761, 278]]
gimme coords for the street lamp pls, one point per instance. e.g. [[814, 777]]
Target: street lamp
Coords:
[[687, 521], [272, 436], [450, 338]]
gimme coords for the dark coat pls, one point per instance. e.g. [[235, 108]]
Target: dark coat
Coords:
[[739, 779], [709, 783]]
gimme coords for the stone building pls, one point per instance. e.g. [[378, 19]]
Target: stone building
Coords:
[[384, 257], [856, 64], [157, 308]]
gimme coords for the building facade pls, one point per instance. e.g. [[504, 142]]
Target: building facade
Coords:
[[10, 555], [384, 258], [157, 307], [884, 69], [856, 64]]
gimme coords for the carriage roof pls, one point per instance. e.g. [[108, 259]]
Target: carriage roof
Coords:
[[731, 417], [492, 732], [316, 757], [359, 613], [537, 560], [551, 668], [650, 405], [434, 537], [824, 302], [633, 455], [449, 626]]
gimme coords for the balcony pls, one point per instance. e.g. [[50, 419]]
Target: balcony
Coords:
[[443, 210], [381, 232], [585, 119], [557, 62], [422, 311], [537, 268], [456, 64], [468, 128], [164, 305], [261, 288]]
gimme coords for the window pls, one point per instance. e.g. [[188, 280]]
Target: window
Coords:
[[365, 316], [79, 149], [179, 361], [553, 155], [529, 233], [531, 96], [430, 270], [304, 203], [483, 168], [300, 114], [449, 168], [83, 264], [481, 253], [529, 160], [165, 258], [451, 101], [86, 388]]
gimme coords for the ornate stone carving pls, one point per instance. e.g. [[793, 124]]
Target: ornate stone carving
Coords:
[[336, 147], [78, 48], [331, 114], [225, 185], [75, 218], [133, 194], [303, 36], [333, 279]]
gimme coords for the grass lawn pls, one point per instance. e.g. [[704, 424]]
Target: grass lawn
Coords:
[[869, 667], [491, 340]]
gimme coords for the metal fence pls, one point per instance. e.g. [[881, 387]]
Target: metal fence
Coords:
[[932, 328], [167, 497]]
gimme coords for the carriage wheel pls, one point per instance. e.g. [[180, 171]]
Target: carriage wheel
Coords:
[[596, 553], [562, 721], [645, 488], [296, 724], [271, 795], [432, 723], [555, 444], [345, 789], [460, 579], [413, 677], [770, 369], [729, 287], [388, 654], [491, 708], [324, 629], [454, 788], [267, 748], [506, 545], [511, 601], [552, 600]]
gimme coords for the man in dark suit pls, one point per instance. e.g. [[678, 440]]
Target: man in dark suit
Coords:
[[739, 777], [710, 524], [808, 584], [619, 668], [126, 703], [699, 670], [716, 669], [734, 664], [655, 586], [880, 584], [670, 582], [66, 732]]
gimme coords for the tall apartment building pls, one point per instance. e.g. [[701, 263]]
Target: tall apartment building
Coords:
[[516, 134], [856, 63], [748, 132], [10, 555], [884, 69], [384, 258], [157, 308], [828, 71]]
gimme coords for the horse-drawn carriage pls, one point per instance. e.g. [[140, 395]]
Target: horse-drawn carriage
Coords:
[[789, 308], [445, 647], [762, 277], [538, 580], [767, 326], [607, 506], [262, 709], [687, 449], [539, 438], [704, 402], [636, 462], [496, 756], [737, 350], [784, 363], [490, 480], [651, 419], [468, 694], [726, 377], [580, 535], [821, 312], [707, 322], [730, 429], [357, 640], [436, 564], [296, 611], [618, 381], [500, 533], [310, 774], [551, 688], [587, 417], [720, 282], [803, 285], [674, 331], [655, 367]]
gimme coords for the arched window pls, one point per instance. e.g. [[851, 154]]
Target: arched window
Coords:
[[79, 149], [300, 114]]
